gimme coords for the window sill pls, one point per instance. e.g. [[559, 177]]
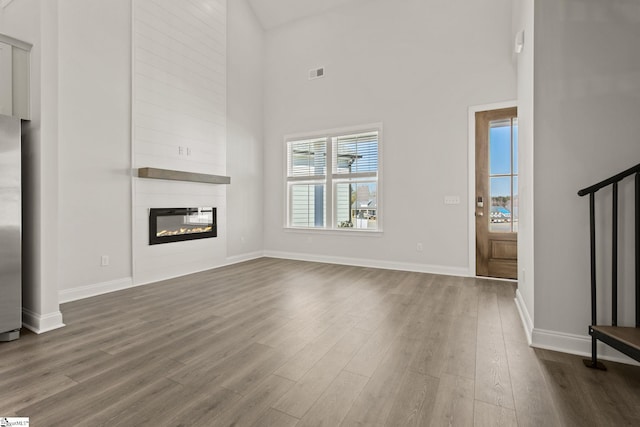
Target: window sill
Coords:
[[335, 231]]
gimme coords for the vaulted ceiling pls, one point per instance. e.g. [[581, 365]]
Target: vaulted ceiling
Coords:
[[273, 13]]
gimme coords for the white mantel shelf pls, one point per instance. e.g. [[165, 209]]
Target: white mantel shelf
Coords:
[[155, 173]]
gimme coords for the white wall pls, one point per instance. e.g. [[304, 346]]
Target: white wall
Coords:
[[36, 22], [89, 64], [587, 99], [95, 143], [179, 122], [523, 13], [415, 66], [245, 70]]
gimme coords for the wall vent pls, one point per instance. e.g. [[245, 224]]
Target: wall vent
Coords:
[[316, 73]]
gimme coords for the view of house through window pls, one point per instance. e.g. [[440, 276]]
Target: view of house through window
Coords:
[[503, 175], [332, 181]]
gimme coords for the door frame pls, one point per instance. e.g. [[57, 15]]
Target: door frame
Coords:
[[471, 170]]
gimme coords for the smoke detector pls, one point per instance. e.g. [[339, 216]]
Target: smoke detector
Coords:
[[316, 73]]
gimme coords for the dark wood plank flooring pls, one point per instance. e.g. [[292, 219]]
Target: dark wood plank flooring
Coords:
[[288, 343]]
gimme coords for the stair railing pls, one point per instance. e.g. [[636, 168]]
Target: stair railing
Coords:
[[591, 191]]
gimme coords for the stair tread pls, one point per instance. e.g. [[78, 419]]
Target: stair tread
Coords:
[[627, 335]]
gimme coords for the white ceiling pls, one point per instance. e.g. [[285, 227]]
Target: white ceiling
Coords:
[[273, 13]]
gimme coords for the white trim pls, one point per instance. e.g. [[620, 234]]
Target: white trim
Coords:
[[496, 279], [15, 42], [576, 344], [335, 231], [371, 263], [132, 122], [471, 160], [364, 128], [236, 259], [173, 276], [88, 291], [527, 323], [41, 323]]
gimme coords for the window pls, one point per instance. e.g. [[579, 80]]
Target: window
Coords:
[[503, 175], [332, 181]]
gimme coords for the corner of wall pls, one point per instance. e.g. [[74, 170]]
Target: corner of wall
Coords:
[[41, 323], [525, 317]]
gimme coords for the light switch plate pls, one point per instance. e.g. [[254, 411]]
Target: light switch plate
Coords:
[[451, 200]]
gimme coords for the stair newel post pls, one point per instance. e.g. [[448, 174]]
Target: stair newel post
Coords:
[[637, 249], [614, 258], [592, 239]]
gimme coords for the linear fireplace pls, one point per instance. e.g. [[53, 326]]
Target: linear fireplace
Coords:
[[177, 224]]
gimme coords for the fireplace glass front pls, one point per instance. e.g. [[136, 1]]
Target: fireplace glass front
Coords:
[[177, 224]]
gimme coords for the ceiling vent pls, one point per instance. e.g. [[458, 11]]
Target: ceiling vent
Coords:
[[316, 73]]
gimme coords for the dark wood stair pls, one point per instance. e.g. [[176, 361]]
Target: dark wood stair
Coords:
[[623, 339]]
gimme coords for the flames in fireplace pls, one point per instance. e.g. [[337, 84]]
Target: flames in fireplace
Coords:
[[180, 231]]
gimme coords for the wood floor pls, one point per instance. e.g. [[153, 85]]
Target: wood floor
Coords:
[[287, 343]]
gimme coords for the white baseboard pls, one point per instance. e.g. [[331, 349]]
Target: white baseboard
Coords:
[[88, 291], [576, 344], [244, 257], [362, 262], [525, 317], [41, 323], [81, 292], [229, 261]]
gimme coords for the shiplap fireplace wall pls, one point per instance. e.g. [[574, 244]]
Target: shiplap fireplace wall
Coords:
[[179, 123]]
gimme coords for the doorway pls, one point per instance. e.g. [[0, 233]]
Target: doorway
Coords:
[[496, 193]]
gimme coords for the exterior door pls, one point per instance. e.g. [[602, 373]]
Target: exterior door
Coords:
[[497, 193]]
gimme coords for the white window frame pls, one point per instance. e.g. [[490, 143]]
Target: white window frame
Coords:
[[332, 179]]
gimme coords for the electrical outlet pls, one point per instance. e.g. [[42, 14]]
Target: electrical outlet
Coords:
[[180, 151], [104, 261], [419, 247]]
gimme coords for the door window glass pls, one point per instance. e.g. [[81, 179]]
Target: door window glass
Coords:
[[503, 175]]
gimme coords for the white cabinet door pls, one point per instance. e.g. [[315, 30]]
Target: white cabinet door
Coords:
[[6, 80]]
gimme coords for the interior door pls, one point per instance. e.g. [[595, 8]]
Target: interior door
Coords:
[[497, 193]]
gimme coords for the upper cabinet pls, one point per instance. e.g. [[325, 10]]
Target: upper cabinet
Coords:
[[6, 80], [14, 77]]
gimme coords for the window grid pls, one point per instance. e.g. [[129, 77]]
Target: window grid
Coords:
[[511, 175], [348, 197]]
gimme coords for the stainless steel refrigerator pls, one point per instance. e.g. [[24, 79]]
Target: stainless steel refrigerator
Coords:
[[10, 229]]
